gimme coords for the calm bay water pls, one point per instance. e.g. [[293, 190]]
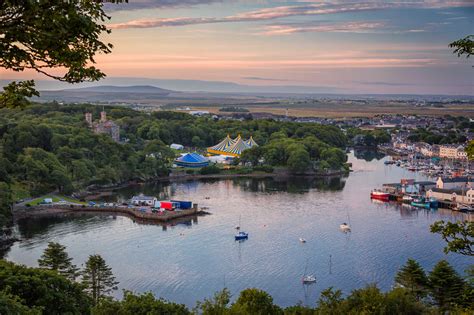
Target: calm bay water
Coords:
[[190, 260]]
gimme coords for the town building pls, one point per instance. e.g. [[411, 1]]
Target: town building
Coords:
[[454, 182], [452, 152], [455, 195]]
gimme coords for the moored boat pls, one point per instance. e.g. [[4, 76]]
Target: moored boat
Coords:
[[407, 199], [463, 208], [309, 279], [241, 236], [345, 227], [379, 195], [422, 202]]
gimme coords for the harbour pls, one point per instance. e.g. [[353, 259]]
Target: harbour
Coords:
[[190, 259]]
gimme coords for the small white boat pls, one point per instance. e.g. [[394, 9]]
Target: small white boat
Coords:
[[302, 240], [237, 227], [345, 227], [407, 199], [309, 279]]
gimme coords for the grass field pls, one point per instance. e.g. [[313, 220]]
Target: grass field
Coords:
[[55, 198], [349, 111]]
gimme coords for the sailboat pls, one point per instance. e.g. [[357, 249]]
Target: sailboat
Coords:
[[346, 227], [308, 279], [241, 235]]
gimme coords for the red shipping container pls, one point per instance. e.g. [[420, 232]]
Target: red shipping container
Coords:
[[166, 205]]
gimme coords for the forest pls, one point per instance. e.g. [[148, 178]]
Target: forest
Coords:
[[50, 147]]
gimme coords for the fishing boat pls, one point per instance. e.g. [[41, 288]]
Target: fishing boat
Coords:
[[463, 208], [241, 236], [422, 202], [379, 195]]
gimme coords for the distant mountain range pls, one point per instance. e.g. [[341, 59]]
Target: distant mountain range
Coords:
[[183, 92], [187, 86], [122, 89]]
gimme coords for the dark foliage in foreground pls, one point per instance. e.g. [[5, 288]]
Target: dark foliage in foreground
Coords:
[[37, 291]]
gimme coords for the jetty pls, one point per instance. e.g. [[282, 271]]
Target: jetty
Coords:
[[134, 212]]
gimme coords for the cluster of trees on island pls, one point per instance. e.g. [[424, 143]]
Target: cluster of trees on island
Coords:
[[59, 287]]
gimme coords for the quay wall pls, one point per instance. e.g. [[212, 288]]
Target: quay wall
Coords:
[[133, 212]]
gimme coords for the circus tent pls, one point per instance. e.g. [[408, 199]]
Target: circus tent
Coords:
[[221, 146], [251, 143], [232, 147], [192, 160]]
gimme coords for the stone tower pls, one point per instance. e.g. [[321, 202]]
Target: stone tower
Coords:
[[103, 116], [89, 119]]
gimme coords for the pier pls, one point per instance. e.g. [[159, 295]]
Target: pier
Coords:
[[134, 212]]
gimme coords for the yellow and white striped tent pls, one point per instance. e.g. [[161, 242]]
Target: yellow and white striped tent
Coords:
[[232, 147]]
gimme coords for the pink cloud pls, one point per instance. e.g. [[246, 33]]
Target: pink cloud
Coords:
[[320, 8], [348, 27]]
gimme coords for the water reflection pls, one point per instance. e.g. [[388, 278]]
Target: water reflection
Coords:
[[293, 185], [28, 228], [368, 155]]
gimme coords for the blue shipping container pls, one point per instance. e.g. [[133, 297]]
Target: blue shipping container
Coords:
[[184, 204]]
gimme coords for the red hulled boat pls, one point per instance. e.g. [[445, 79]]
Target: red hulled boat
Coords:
[[379, 195]]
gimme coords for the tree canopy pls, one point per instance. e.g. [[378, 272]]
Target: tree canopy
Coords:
[[464, 46], [56, 258], [56, 38], [459, 236], [46, 35], [98, 278]]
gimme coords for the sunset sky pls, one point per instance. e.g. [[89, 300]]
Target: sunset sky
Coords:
[[346, 46]]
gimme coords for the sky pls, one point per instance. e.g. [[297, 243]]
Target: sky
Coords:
[[345, 46]]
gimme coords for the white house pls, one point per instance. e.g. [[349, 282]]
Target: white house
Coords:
[[142, 200], [455, 195], [455, 182], [176, 146]]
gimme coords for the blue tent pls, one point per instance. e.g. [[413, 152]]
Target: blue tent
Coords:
[[192, 160]]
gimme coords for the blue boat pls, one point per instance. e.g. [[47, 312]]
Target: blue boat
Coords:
[[241, 236]]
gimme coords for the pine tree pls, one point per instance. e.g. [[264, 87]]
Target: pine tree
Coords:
[[56, 258], [446, 286], [412, 277], [98, 278]]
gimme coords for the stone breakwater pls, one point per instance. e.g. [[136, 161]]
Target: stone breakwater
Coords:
[[165, 216]]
